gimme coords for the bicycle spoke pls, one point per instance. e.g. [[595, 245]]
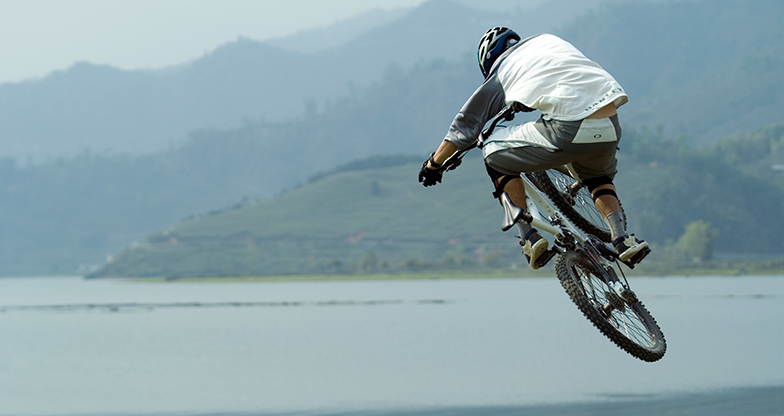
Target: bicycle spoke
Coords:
[[581, 201], [626, 322], [630, 325], [574, 201]]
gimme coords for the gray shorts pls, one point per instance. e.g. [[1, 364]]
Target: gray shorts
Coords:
[[589, 145]]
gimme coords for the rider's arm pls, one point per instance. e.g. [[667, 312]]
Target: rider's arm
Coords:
[[445, 150], [483, 104]]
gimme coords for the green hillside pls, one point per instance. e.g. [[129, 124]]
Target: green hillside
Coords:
[[356, 220], [364, 218], [682, 69], [734, 186]]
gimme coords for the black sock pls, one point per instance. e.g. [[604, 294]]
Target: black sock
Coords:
[[524, 228]]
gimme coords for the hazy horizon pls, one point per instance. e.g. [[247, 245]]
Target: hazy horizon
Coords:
[[148, 34]]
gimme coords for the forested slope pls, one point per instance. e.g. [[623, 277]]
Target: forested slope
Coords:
[[366, 217], [680, 67]]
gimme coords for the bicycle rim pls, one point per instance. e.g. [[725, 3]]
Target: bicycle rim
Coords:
[[579, 208], [629, 326]]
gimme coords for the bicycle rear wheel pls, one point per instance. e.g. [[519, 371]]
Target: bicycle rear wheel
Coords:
[[628, 324], [574, 201]]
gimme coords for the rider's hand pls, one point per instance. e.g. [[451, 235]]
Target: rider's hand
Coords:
[[428, 176]]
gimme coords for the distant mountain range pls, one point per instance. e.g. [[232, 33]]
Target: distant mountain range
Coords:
[[237, 125], [101, 108]]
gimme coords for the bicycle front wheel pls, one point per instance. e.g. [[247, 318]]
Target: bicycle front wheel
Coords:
[[626, 323], [574, 201]]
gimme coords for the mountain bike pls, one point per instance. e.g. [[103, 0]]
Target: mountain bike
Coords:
[[585, 266]]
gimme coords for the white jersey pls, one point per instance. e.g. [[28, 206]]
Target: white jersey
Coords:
[[543, 73], [547, 73]]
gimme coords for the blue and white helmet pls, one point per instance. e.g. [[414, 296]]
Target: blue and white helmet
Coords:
[[494, 43]]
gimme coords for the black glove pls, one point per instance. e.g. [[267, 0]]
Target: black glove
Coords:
[[429, 177]]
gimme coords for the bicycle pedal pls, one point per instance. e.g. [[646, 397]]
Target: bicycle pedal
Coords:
[[637, 258], [641, 255], [545, 258]]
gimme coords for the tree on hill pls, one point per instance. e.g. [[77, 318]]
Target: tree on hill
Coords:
[[696, 243]]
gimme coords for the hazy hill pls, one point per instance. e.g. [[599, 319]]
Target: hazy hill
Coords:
[[681, 63], [74, 211], [366, 217], [334, 36], [331, 225], [705, 69], [99, 107]]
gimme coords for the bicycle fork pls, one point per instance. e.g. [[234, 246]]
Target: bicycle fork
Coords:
[[618, 295]]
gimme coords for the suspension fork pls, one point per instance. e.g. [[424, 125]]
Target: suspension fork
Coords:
[[620, 287]]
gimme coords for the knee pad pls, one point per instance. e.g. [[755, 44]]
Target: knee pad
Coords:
[[499, 180], [594, 183]]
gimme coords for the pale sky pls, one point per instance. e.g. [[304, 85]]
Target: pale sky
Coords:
[[41, 36]]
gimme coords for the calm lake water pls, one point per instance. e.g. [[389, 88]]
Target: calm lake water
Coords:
[[70, 346]]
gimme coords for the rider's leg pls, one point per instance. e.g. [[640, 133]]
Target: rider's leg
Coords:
[[609, 206], [514, 188], [533, 244], [511, 185], [516, 191], [504, 167], [607, 202]]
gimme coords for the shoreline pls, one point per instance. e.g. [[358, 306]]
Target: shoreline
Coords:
[[658, 270]]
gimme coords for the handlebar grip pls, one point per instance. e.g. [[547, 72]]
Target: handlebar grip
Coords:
[[454, 164]]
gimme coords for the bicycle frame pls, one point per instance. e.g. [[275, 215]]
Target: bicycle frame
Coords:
[[541, 203], [565, 233]]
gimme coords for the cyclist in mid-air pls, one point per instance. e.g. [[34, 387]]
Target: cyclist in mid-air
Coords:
[[579, 126]]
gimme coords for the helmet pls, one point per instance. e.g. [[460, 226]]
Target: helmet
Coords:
[[494, 43]]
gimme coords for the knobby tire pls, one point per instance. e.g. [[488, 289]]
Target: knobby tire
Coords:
[[633, 329]]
